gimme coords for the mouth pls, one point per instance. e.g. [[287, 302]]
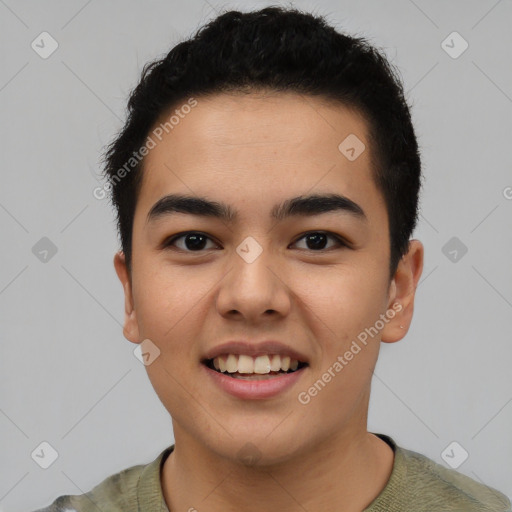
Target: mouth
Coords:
[[246, 367]]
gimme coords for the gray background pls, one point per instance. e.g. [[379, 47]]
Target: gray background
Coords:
[[68, 375]]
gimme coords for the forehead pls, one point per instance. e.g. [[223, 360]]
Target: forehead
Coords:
[[247, 148]]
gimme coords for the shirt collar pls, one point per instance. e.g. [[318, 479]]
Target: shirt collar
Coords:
[[393, 496], [149, 487]]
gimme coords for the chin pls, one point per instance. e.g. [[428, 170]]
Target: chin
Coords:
[[257, 449]]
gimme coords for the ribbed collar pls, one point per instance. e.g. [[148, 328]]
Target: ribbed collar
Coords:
[[393, 498], [149, 487]]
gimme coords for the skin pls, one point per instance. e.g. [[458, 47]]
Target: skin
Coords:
[[253, 151]]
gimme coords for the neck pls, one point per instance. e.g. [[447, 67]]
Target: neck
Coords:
[[348, 469]]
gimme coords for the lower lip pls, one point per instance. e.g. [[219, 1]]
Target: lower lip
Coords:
[[254, 389]]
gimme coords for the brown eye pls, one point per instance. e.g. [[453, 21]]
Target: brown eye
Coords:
[[193, 241], [316, 240]]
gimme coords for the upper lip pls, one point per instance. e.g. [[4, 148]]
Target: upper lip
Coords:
[[255, 349]]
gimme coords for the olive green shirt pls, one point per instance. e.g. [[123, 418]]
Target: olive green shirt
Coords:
[[416, 484]]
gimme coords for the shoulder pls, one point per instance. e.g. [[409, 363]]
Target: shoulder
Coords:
[[436, 487], [118, 492]]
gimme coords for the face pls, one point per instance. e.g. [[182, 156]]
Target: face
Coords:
[[268, 282]]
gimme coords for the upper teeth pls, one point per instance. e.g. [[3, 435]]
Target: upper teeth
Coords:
[[233, 363]]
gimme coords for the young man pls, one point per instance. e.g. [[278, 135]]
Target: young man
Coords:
[[266, 186]]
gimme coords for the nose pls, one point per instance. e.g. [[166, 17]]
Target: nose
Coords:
[[255, 286]]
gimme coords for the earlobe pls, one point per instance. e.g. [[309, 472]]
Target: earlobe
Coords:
[[402, 293], [131, 327]]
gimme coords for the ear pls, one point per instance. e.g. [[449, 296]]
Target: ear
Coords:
[[131, 326], [402, 291]]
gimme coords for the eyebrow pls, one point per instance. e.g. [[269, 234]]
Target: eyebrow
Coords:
[[305, 206]]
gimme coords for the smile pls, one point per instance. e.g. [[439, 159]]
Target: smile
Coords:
[[248, 377], [247, 367]]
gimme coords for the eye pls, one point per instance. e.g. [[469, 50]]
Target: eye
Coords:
[[317, 240], [194, 241]]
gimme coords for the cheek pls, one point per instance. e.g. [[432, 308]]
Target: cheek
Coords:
[[346, 297], [346, 306], [167, 309], [165, 303]]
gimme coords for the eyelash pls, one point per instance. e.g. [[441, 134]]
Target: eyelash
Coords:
[[341, 243]]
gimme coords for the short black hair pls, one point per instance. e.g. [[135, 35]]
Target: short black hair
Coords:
[[284, 50]]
